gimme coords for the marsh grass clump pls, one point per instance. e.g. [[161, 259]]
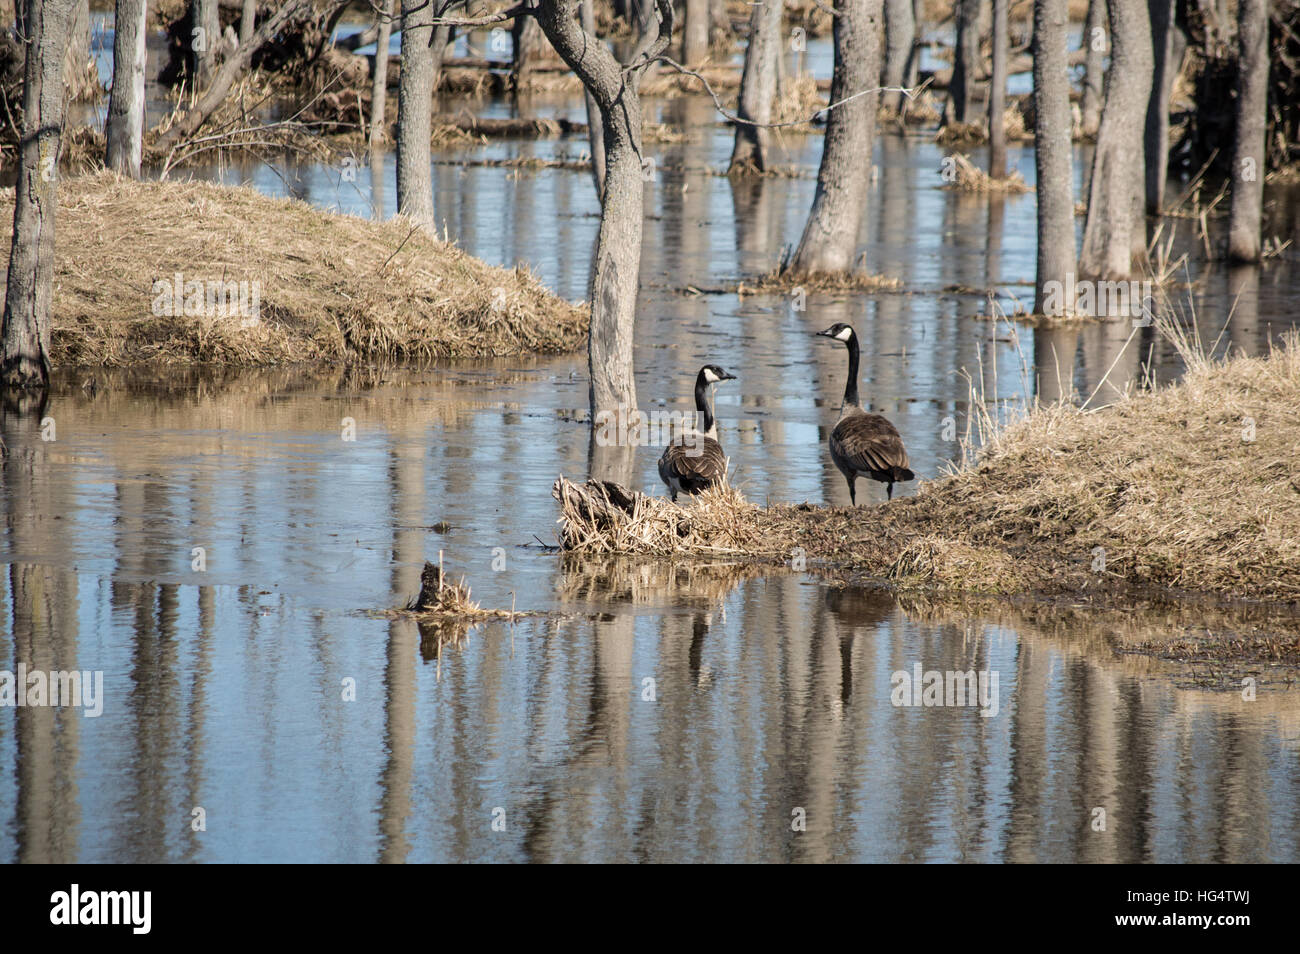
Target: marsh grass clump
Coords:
[[968, 177], [441, 599], [330, 287], [798, 99], [783, 280], [961, 134], [604, 517], [1190, 488]]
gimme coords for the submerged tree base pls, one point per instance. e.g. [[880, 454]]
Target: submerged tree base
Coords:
[[1194, 488], [195, 272]]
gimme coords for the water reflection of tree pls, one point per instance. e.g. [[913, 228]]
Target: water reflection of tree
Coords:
[[43, 629]]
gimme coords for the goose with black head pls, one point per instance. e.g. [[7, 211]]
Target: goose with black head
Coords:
[[864, 444], [694, 460]]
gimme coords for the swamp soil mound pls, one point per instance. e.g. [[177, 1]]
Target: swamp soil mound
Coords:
[[191, 272], [1191, 488]]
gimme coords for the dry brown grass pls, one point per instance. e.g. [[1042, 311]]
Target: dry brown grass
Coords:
[[962, 134], [600, 517], [1164, 482], [922, 110], [444, 613], [779, 280], [968, 177], [800, 98], [441, 599], [333, 287]]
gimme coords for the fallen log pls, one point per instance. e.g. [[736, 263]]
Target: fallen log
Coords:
[[216, 94], [531, 128]]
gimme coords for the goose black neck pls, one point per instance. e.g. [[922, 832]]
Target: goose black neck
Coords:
[[851, 386], [703, 405]]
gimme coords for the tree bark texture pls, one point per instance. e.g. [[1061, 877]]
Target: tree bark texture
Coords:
[[998, 92], [1115, 231], [758, 87], [26, 326], [1245, 220], [844, 177], [1052, 154], [124, 128]]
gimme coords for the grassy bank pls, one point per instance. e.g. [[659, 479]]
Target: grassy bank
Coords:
[[324, 286], [1192, 488]]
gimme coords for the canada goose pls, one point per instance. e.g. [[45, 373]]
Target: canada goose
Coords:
[[862, 444], [694, 465]]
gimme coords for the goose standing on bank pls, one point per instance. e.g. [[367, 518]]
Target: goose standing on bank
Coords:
[[692, 465], [864, 444]]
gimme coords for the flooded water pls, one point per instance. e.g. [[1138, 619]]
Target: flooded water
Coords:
[[222, 553]]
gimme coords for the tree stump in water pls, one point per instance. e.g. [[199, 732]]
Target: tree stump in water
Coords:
[[430, 587]]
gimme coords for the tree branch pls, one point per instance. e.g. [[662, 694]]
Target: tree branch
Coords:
[[589, 58], [911, 95], [649, 47], [216, 94]]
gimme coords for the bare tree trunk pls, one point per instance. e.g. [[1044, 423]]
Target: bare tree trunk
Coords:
[[1052, 159], [998, 92], [379, 79], [1094, 71], [1116, 226], [616, 273], [1245, 221], [900, 38], [966, 62], [1167, 45], [26, 327], [912, 70], [595, 126], [527, 36], [79, 73], [758, 87], [205, 35], [124, 129], [414, 114], [248, 20], [695, 33], [843, 180]]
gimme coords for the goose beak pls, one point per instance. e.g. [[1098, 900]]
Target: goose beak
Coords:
[[825, 334], [727, 376]]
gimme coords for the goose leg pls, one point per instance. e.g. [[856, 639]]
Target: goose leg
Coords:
[[853, 492], [889, 490]]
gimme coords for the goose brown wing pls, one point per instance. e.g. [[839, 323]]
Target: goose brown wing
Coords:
[[696, 467], [868, 442]]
